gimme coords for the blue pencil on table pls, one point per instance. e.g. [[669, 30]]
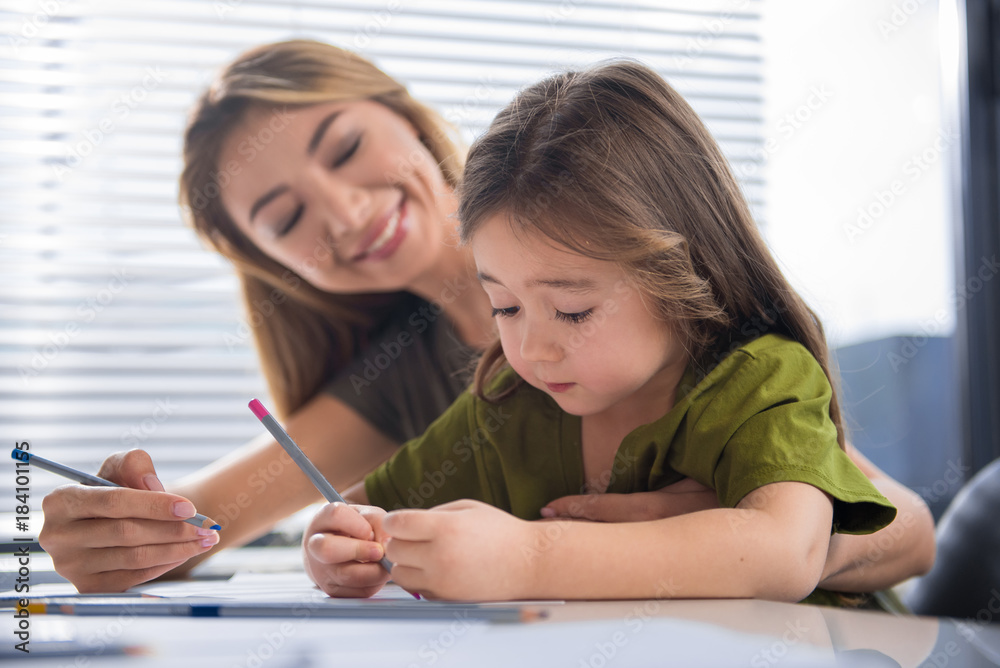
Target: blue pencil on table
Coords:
[[86, 479], [299, 457]]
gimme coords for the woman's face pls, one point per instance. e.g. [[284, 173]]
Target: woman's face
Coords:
[[343, 193]]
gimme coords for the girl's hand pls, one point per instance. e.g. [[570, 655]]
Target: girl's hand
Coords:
[[685, 496], [107, 539], [342, 548], [463, 550]]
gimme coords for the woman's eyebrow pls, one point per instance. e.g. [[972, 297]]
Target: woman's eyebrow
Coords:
[[313, 143], [264, 199], [320, 131]]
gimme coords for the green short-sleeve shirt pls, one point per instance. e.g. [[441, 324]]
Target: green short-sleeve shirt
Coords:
[[760, 416]]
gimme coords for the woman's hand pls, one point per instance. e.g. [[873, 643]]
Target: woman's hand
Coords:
[[342, 548], [686, 496], [885, 558], [107, 539], [463, 550]]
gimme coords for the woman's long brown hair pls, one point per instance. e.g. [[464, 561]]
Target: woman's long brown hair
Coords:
[[612, 163], [303, 335]]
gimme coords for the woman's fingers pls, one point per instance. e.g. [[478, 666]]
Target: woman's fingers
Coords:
[[145, 557], [113, 538], [131, 469], [604, 507], [118, 568], [128, 532], [116, 581], [683, 497], [79, 502]]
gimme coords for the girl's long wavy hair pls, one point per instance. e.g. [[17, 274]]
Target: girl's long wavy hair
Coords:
[[612, 163], [303, 335]]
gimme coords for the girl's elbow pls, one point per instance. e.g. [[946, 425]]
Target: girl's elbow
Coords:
[[795, 586], [799, 573]]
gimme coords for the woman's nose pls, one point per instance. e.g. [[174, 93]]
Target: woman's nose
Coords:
[[346, 210]]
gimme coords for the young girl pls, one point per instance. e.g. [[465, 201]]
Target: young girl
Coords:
[[625, 273]]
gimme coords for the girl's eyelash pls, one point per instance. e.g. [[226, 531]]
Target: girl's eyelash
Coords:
[[347, 154], [287, 227], [575, 318]]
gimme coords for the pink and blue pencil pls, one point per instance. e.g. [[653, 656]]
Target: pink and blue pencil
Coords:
[[299, 457]]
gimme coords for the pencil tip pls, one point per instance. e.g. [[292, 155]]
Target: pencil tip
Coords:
[[215, 527]]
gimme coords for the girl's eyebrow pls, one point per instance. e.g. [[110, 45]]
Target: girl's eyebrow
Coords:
[[577, 285]]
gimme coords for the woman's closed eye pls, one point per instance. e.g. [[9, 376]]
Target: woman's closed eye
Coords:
[[346, 155], [286, 227]]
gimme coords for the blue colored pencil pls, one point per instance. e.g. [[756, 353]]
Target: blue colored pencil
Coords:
[[86, 479]]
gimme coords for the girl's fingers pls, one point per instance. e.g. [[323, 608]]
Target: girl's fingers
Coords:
[[342, 519], [411, 525], [332, 588], [333, 549], [415, 524], [402, 552], [413, 580]]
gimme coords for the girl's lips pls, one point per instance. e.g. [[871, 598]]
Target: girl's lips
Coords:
[[384, 241], [559, 387]]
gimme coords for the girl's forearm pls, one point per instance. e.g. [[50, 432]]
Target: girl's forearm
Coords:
[[719, 553]]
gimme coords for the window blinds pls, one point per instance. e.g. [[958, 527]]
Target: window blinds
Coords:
[[117, 329]]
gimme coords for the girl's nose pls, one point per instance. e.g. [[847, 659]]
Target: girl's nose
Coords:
[[538, 344]]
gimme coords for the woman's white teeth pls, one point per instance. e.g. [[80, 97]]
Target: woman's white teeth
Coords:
[[388, 232]]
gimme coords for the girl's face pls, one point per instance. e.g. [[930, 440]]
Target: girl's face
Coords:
[[575, 327], [342, 193]]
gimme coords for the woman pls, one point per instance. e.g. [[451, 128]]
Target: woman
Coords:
[[332, 192]]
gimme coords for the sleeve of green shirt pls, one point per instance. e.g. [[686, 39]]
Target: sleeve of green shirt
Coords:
[[771, 420], [437, 467]]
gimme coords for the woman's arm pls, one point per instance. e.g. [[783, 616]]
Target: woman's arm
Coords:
[[772, 546], [110, 539], [885, 558]]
